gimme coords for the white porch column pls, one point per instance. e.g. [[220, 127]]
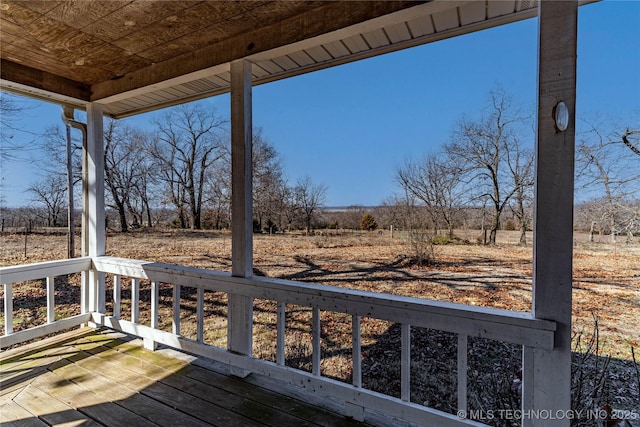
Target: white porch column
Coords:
[[240, 320], [549, 372], [94, 202]]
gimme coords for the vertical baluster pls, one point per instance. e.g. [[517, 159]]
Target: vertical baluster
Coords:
[[356, 351], [51, 314], [315, 332], [405, 365], [462, 372], [149, 343], [8, 309], [526, 385], [117, 295], [200, 315], [280, 327], [175, 324], [155, 296], [84, 292], [135, 300]]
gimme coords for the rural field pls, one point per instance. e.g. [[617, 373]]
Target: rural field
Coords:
[[606, 291]]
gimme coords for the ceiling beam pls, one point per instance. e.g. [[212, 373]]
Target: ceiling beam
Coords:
[[330, 16], [14, 76]]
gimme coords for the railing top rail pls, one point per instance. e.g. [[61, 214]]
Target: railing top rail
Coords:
[[517, 327], [39, 270]]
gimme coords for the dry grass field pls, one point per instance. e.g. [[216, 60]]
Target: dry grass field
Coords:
[[606, 288]]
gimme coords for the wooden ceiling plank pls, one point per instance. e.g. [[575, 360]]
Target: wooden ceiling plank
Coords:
[[40, 6], [116, 61], [38, 79], [80, 14], [66, 42], [41, 60], [18, 14], [242, 20], [91, 71], [261, 39], [186, 21], [133, 17]]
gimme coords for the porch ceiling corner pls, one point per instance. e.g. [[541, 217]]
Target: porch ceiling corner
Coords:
[[138, 56]]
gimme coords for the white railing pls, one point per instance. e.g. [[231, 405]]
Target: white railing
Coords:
[[44, 270], [465, 321]]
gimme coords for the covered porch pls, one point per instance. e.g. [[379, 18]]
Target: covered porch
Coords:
[[255, 44]]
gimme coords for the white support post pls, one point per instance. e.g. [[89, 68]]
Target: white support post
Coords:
[[548, 385], [51, 314], [94, 202], [240, 317]]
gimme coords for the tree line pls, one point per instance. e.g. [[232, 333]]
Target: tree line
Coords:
[[489, 165], [184, 166], [482, 178]]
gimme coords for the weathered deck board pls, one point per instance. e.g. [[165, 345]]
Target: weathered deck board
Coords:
[[96, 378]]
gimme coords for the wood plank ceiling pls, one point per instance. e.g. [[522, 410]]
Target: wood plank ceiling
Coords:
[[140, 55]]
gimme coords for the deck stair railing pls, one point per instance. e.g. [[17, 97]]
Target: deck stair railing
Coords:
[[466, 321]]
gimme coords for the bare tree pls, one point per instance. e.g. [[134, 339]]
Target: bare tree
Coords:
[[631, 138], [611, 176], [521, 166], [484, 147], [189, 142], [126, 169], [435, 180], [12, 141], [51, 191], [395, 211], [309, 198], [268, 180]]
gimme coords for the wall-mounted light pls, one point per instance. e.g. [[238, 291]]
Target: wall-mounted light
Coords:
[[561, 116]]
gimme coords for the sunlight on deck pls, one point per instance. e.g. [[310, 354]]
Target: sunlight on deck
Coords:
[[91, 377]]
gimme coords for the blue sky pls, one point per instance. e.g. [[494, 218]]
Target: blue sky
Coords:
[[347, 127]]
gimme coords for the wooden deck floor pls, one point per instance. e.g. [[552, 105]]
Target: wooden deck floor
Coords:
[[91, 378]]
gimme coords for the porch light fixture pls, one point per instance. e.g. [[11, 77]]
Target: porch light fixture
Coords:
[[561, 116]]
